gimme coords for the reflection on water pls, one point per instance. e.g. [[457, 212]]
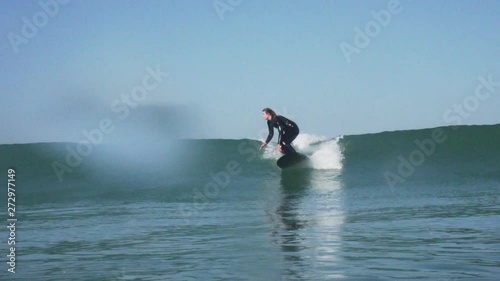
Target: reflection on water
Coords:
[[294, 185], [293, 188], [308, 223]]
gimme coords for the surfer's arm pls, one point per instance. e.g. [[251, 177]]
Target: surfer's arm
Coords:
[[271, 132], [270, 136]]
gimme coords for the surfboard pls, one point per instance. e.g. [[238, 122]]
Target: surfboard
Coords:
[[292, 160]]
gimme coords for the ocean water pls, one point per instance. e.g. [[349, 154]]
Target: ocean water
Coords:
[[405, 205]]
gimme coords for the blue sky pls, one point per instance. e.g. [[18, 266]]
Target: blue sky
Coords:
[[224, 67]]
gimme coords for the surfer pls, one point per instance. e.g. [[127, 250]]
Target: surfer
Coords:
[[287, 129]]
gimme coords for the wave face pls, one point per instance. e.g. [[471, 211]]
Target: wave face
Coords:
[[427, 156], [55, 172]]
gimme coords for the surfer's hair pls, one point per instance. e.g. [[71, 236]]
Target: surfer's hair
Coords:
[[269, 111]]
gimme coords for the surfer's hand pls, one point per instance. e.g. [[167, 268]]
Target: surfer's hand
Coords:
[[279, 148], [263, 145]]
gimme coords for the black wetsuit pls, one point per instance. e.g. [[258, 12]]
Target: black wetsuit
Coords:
[[287, 129]]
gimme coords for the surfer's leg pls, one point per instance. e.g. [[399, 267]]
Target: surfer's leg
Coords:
[[290, 148], [286, 141], [287, 148]]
